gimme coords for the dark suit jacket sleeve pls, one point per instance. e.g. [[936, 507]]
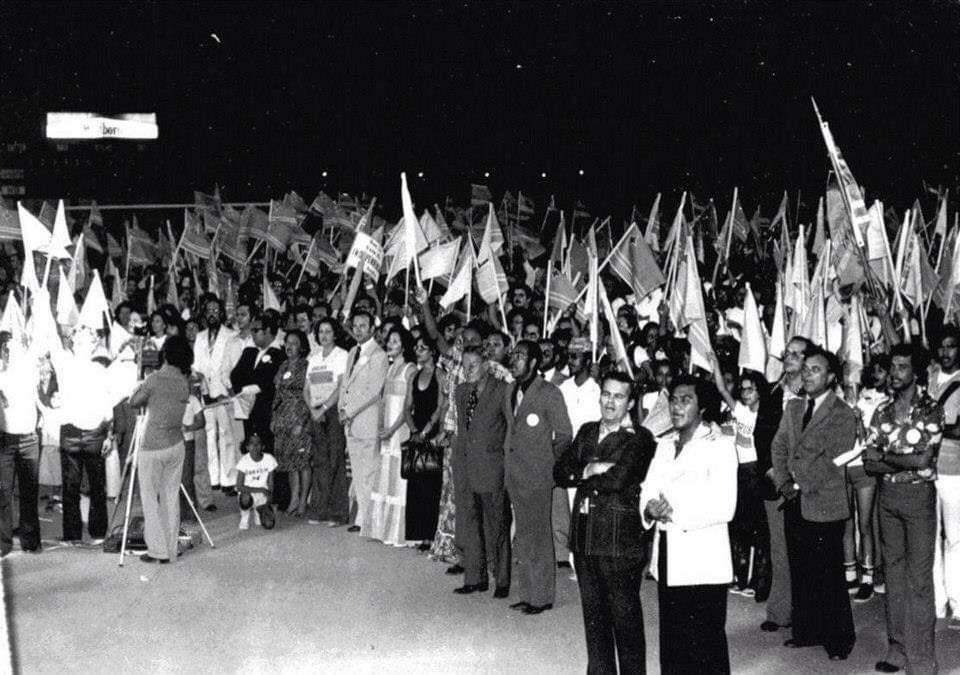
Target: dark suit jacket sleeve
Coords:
[[841, 435], [768, 419], [556, 411], [568, 468], [631, 467], [240, 375]]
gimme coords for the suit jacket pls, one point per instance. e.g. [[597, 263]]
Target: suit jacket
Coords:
[[262, 374], [214, 364], [537, 435], [360, 390], [701, 485], [806, 456], [478, 451], [611, 523]]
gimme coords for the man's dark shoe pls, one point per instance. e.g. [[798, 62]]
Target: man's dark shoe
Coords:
[[230, 491], [793, 643], [353, 528], [467, 589], [534, 609], [563, 564], [521, 606], [147, 558], [501, 592], [771, 626], [886, 667], [210, 508], [454, 569]]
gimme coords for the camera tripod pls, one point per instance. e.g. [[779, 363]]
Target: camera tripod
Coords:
[[130, 470]]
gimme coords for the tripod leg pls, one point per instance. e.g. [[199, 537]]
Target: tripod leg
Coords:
[[135, 451], [126, 515], [196, 515], [123, 479]]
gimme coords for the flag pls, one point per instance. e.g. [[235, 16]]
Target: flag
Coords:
[[78, 266], [688, 310], [578, 259], [778, 336], [562, 292], [492, 241], [42, 327], [524, 206], [61, 233], [13, 321], [205, 202], [439, 261], [67, 312], [462, 279], [172, 297], [491, 280], [193, 240], [633, 261], [254, 223], [269, 299], [37, 238], [480, 195], [619, 349], [579, 212], [753, 344], [9, 224], [739, 222], [368, 252], [95, 312], [431, 231], [781, 217], [47, 215], [559, 244], [652, 234], [410, 240], [797, 291], [282, 222], [852, 351], [113, 247]]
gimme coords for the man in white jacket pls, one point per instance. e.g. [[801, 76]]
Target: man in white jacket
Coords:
[[689, 496], [213, 359]]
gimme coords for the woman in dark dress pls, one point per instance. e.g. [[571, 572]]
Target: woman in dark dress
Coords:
[[290, 423], [425, 417]]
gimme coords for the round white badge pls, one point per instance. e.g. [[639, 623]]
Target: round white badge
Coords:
[[287, 375], [533, 420]]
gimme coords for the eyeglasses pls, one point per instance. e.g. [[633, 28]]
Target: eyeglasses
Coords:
[[794, 353]]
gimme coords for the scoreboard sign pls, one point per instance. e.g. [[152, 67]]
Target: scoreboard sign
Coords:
[[89, 126]]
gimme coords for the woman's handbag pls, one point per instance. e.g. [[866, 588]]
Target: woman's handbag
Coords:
[[420, 458]]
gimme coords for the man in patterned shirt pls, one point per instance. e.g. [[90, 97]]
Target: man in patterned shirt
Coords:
[[901, 448]]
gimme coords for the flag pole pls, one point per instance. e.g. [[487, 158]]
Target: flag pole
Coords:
[[546, 300], [303, 267]]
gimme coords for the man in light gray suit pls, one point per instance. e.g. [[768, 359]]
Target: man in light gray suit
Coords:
[[359, 407]]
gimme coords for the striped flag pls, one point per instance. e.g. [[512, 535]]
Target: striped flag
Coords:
[[282, 220], [633, 262], [562, 292], [9, 224], [254, 223], [525, 206], [48, 214], [193, 240], [463, 278], [652, 234], [113, 248]]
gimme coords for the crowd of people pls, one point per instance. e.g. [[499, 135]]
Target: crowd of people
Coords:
[[509, 446]]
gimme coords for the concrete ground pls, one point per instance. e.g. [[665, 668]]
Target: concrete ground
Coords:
[[307, 598]]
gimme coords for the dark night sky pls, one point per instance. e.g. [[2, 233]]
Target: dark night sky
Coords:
[[643, 97]]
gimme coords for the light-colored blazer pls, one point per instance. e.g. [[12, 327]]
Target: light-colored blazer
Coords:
[[360, 390], [701, 486], [806, 455], [215, 365]]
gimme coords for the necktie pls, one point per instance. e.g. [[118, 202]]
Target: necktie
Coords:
[[472, 401], [518, 398], [356, 357], [808, 413]]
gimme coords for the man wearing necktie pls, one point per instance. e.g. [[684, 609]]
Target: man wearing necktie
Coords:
[[538, 433], [815, 430], [483, 514]]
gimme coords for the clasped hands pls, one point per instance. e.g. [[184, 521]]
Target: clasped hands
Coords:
[[658, 510]]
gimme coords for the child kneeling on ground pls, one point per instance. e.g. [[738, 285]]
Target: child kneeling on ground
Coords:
[[255, 485]]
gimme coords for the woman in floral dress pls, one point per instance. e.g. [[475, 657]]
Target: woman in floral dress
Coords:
[[291, 421]]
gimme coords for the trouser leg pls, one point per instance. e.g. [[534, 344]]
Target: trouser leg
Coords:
[[7, 472], [779, 603], [28, 470], [893, 541], [597, 616]]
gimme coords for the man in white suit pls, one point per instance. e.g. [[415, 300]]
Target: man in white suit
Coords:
[[689, 495], [359, 407], [213, 359]]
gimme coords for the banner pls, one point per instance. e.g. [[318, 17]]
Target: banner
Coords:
[[368, 252]]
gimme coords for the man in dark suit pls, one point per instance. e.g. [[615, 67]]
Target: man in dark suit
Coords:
[[483, 514], [538, 432], [607, 463], [815, 430], [258, 366]]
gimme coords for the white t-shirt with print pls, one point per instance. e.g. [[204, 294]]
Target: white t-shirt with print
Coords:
[[255, 474], [744, 421]]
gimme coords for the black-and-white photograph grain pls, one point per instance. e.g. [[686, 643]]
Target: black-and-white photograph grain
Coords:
[[462, 336]]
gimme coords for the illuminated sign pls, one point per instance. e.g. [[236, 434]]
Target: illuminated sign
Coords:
[[86, 126]]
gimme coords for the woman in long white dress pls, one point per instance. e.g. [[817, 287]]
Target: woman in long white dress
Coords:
[[386, 517]]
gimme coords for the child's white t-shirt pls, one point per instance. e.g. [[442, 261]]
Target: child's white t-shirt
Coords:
[[189, 414], [745, 420], [255, 473]]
